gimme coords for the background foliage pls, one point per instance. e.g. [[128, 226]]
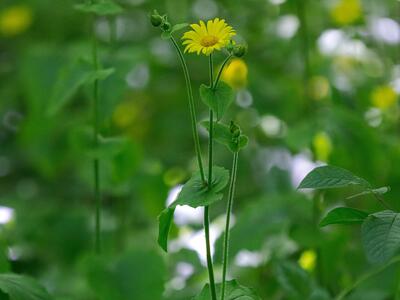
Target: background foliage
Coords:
[[319, 85]]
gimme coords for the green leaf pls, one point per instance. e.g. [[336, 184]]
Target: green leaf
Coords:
[[294, 280], [102, 8], [70, 79], [224, 136], [164, 225], [344, 215], [331, 177], [22, 288], [381, 235], [194, 193], [217, 99], [166, 35], [233, 291], [178, 27]]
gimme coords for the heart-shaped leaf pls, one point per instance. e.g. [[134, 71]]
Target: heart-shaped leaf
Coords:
[[217, 99], [332, 177], [233, 291], [195, 194], [22, 288], [344, 215], [381, 235]]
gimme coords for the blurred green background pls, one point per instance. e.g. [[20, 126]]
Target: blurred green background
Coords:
[[319, 84]]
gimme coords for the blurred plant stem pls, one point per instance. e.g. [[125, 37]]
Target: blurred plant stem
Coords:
[[96, 166], [191, 108], [228, 218], [206, 208], [305, 48]]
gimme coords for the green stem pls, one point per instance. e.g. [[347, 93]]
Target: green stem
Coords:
[[191, 108], [206, 208], [228, 218], [96, 166], [221, 69], [367, 276]]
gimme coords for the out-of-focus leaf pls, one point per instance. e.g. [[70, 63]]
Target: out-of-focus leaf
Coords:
[[381, 235], [344, 215], [217, 99], [101, 8], [332, 177], [138, 274], [178, 27], [22, 288], [233, 291]]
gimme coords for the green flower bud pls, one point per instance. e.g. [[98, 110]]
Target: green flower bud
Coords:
[[235, 130], [166, 26], [239, 50], [155, 19]]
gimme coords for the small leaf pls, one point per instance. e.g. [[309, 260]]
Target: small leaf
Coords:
[[331, 177], [294, 280], [164, 225], [102, 8], [178, 27], [195, 194], [166, 35], [100, 74], [22, 288], [223, 135], [217, 99], [381, 235], [344, 215], [233, 291]]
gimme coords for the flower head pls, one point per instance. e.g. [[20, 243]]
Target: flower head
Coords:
[[235, 73], [384, 97], [207, 38], [15, 20]]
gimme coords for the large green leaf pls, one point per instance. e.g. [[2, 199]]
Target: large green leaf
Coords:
[[224, 136], [331, 177], [101, 8], [344, 215], [22, 288], [233, 291], [381, 235], [217, 99], [195, 194]]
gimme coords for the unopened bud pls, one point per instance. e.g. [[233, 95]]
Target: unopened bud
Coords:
[[155, 19], [239, 50], [166, 26]]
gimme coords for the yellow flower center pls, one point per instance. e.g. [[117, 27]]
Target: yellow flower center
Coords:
[[209, 41]]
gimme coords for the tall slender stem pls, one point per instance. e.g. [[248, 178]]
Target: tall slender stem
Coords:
[[96, 167], [221, 69], [191, 108], [206, 208], [228, 219]]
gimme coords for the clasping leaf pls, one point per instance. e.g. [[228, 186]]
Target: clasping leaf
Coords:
[[218, 99]]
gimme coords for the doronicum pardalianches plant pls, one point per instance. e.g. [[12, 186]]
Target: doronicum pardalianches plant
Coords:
[[205, 187]]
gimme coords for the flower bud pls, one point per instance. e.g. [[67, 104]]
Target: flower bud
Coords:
[[166, 26], [239, 50], [235, 130], [155, 19]]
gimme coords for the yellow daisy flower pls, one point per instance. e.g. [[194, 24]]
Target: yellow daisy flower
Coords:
[[207, 38], [235, 73]]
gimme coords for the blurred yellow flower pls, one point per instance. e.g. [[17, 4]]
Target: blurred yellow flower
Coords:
[[308, 260], [346, 11], [15, 20], [322, 146], [207, 38], [125, 114], [235, 73], [383, 97], [318, 87]]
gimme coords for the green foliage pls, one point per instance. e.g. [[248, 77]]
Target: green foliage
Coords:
[[234, 291], [22, 288], [218, 99], [101, 8], [381, 235], [224, 136], [164, 223], [331, 177], [344, 215]]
